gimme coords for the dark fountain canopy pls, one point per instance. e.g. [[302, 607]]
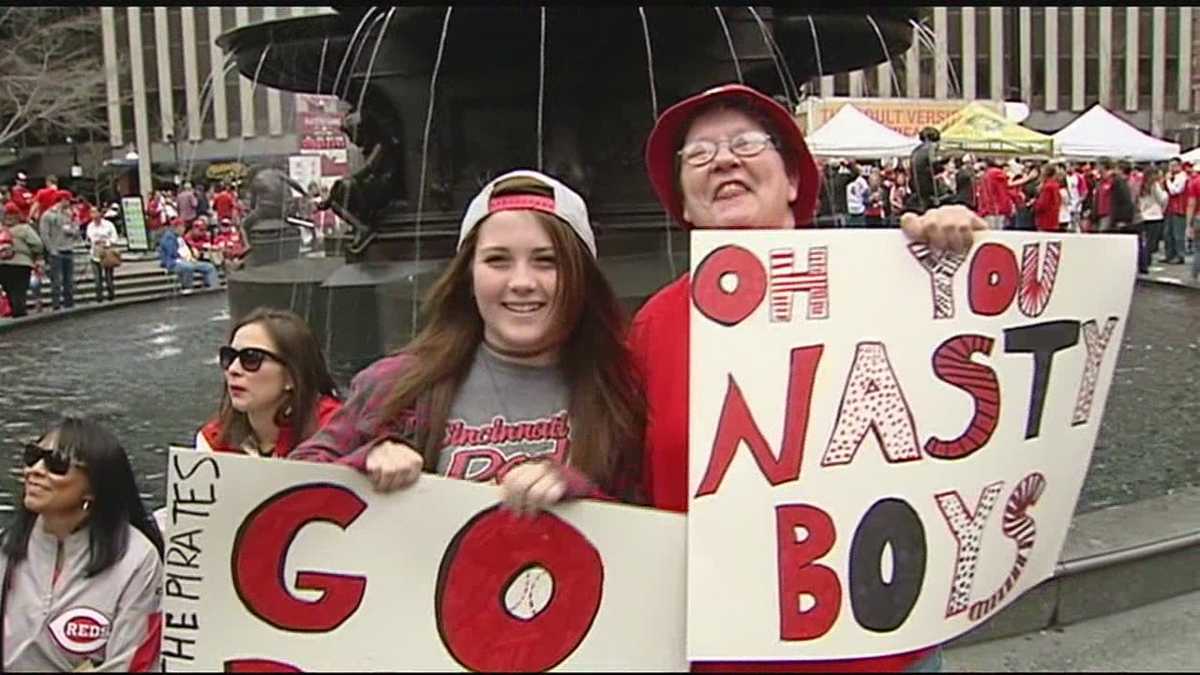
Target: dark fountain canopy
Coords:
[[598, 105]]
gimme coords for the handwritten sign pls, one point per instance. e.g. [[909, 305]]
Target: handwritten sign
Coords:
[[287, 566], [887, 443]]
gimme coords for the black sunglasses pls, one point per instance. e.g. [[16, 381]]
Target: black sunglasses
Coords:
[[250, 357], [57, 463]]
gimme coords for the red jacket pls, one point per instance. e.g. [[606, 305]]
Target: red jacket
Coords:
[[23, 199], [225, 204], [1177, 204], [46, 198], [1047, 206], [1193, 193], [660, 342], [327, 407], [994, 196], [1104, 198]]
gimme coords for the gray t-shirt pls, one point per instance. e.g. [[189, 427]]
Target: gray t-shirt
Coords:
[[504, 414]]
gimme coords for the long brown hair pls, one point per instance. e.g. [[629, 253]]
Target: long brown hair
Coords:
[[607, 408], [305, 363]]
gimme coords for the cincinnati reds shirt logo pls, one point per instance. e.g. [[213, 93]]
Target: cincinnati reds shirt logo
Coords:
[[81, 630]]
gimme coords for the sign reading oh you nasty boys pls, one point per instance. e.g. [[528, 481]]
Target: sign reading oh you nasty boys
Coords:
[[887, 443]]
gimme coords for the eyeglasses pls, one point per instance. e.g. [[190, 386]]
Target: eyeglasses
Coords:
[[251, 358], [745, 144], [57, 463]]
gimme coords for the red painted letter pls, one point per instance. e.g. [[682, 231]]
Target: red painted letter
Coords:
[[729, 308], [800, 576], [260, 551], [993, 280], [737, 425], [517, 595], [786, 282], [952, 363]]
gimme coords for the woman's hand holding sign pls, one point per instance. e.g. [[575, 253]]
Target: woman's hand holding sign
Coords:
[[392, 465], [949, 227], [533, 486]]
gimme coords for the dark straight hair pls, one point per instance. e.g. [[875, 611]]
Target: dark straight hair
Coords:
[[116, 504]]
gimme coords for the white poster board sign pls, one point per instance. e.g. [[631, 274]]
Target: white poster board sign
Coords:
[[290, 565], [887, 445], [304, 169]]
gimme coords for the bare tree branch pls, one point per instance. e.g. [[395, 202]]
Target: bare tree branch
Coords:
[[53, 73]]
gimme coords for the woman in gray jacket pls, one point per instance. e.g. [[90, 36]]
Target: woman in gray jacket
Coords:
[[81, 560], [19, 245]]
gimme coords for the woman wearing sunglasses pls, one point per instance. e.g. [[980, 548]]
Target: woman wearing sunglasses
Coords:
[[81, 560], [277, 388], [520, 374]]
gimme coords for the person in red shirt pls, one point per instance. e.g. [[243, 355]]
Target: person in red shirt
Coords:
[[45, 198], [1174, 231], [225, 203], [698, 146], [1049, 201], [22, 197], [198, 238], [1103, 196], [995, 203], [230, 244], [1193, 199], [277, 389]]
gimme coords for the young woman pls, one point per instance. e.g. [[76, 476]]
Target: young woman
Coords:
[[520, 374], [102, 235], [277, 389], [81, 553]]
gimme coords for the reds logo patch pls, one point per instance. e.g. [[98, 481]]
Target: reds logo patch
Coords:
[[80, 630]]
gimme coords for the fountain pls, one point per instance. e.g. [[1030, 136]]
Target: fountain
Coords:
[[442, 99]]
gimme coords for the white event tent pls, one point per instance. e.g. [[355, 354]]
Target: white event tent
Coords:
[[1192, 156], [1099, 133], [851, 133]]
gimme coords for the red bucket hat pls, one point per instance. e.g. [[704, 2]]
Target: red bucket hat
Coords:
[[668, 132]]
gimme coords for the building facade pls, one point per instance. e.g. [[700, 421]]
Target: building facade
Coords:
[[1138, 62], [174, 96]]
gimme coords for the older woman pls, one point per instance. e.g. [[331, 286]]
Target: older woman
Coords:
[[80, 552], [732, 157]]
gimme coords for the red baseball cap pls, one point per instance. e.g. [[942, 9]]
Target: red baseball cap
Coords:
[[667, 136]]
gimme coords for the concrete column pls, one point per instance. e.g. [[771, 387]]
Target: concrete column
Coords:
[[941, 60], [968, 52], [856, 83], [1106, 73], [1158, 69], [245, 87], [1185, 59], [166, 98], [274, 103], [1051, 24], [216, 58], [1077, 58], [138, 77], [912, 68], [996, 33], [112, 83], [1131, 59], [827, 86], [883, 79], [191, 72], [1025, 32]]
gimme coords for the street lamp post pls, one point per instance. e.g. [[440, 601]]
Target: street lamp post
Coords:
[[76, 170]]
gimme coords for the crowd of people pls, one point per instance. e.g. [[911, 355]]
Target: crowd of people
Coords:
[[523, 331], [1156, 202], [190, 231]]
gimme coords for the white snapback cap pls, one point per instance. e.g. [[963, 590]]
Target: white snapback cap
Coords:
[[566, 204]]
